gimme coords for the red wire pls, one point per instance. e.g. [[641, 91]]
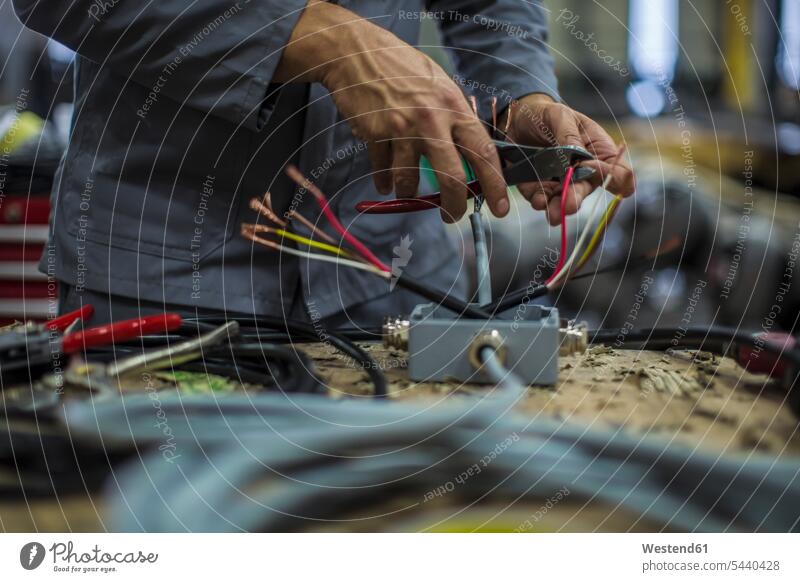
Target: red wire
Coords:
[[563, 256], [362, 250]]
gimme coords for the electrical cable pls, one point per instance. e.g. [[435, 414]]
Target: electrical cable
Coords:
[[248, 231], [605, 221], [294, 214], [279, 462], [311, 243], [565, 267], [452, 303], [287, 369], [250, 327], [513, 388], [276, 462], [562, 255], [403, 280], [517, 297], [264, 207], [484, 280], [322, 201], [718, 339], [533, 291]]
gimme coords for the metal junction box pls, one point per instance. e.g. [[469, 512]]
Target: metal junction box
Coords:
[[440, 344]]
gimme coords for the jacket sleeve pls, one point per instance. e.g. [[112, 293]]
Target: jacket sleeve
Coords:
[[211, 55], [499, 47]]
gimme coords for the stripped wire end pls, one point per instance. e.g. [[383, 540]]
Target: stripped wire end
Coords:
[[265, 210]]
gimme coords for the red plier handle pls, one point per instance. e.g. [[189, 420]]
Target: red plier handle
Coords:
[[401, 205], [119, 332], [522, 164], [62, 322]]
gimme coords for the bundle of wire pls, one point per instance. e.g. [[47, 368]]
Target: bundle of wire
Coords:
[[567, 268], [358, 257], [280, 462]]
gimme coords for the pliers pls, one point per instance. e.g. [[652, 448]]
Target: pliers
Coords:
[[30, 350], [521, 164]]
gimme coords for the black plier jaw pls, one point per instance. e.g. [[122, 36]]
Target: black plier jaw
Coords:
[[541, 164]]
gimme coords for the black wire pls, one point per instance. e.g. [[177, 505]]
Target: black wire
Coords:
[[454, 304], [288, 370], [717, 339], [516, 297], [531, 292], [294, 329]]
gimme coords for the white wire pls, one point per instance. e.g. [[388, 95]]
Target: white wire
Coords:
[[332, 259], [584, 235]]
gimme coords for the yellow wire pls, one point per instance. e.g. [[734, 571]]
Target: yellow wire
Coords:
[[312, 243], [598, 233]]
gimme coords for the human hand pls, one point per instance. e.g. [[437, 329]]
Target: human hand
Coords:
[[539, 120], [400, 102]]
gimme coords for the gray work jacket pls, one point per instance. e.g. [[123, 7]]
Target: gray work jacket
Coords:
[[173, 131]]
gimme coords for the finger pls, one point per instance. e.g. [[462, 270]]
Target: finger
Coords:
[[600, 144], [449, 171], [595, 139], [575, 195], [622, 177], [405, 167], [380, 156], [539, 201], [536, 194], [567, 129], [477, 147], [551, 188]]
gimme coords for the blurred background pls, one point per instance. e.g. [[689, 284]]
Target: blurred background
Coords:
[[705, 94]]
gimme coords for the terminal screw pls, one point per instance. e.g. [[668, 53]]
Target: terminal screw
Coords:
[[395, 332], [573, 338]]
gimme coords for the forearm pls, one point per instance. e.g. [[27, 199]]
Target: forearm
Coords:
[[502, 45]]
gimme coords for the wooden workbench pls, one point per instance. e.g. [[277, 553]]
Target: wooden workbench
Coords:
[[693, 398]]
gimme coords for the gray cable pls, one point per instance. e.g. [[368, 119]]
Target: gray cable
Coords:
[[484, 279], [276, 462]]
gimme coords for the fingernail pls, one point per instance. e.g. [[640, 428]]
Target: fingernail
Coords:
[[502, 207]]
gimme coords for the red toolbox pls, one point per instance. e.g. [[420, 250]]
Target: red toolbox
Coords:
[[25, 293]]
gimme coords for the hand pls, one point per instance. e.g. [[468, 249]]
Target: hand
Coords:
[[398, 101], [538, 120]]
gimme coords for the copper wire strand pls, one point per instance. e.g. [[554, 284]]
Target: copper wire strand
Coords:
[[494, 117], [508, 120], [264, 207], [322, 201], [310, 226], [248, 231], [474, 103], [266, 212]]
